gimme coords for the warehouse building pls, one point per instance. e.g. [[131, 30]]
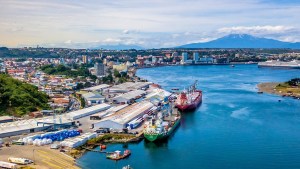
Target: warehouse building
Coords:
[[122, 117], [128, 86], [129, 97], [98, 88], [5, 119], [33, 125], [93, 98], [108, 112], [158, 95], [87, 111]]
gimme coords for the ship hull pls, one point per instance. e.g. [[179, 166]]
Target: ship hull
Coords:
[[191, 106], [161, 136]]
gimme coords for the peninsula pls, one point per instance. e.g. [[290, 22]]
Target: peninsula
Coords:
[[290, 88]]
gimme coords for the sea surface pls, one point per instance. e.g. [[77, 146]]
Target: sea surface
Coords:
[[234, 128]]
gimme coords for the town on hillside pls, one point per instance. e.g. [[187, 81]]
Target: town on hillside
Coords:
[[75, 99]]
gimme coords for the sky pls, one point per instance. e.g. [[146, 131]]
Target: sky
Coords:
[[147, 23]]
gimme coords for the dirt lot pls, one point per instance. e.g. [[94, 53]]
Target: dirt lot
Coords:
[[44, 157], [268, 87]]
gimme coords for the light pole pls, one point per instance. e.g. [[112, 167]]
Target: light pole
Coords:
[[33, 156]]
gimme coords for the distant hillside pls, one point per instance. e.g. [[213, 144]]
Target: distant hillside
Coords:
[[19, 53], [18, 98], [119, 47], [243, 41]]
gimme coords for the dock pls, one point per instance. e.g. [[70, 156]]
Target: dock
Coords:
[[97, 151]]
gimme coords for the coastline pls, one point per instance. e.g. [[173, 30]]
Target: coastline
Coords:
[[140, 148], [272, 88], [202, 64]]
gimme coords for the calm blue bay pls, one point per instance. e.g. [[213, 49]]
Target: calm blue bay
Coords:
[[234, 128]]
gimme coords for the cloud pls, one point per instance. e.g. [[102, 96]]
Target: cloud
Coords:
[[68, 42], [112, 40], [154, 23], [257, 29], [126, 31]]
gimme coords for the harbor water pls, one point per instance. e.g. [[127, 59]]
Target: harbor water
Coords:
[[234, 128]]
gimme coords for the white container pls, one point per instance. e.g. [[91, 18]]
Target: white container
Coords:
[[8, 165], [19, 160]]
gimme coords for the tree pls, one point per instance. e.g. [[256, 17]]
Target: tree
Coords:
[[117, 73], [79, 86], [294, 82], [18, 98]]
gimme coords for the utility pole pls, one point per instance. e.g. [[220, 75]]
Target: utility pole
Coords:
[[33, 156]]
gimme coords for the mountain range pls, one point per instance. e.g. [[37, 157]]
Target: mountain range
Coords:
[[243, 41]]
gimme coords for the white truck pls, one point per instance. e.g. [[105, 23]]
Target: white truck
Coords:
[[23, 161], [7, 165]]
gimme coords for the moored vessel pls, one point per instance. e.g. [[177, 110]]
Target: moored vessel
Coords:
[[117, 155], [163, 124], [189, 99]]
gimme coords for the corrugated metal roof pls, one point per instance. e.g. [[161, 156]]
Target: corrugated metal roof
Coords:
[[5, 118], [30, 124], [92, 95], [99, 87], [99, 107], [130, 112], [130, 95]]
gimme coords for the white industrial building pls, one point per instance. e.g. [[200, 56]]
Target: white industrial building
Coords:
[[122, 117], [93, 98], [98, 88], [108, 112], [5, 119], [128, 86], [129, 97], [206, 59], [87, 111], [157, 95], [32, 125]]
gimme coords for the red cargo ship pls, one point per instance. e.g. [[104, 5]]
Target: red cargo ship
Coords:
[[189, 99]]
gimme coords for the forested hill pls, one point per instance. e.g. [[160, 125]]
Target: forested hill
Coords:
[[18, 98]]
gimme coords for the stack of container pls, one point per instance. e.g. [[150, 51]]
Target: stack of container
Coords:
[[78, 141], [48, 138]]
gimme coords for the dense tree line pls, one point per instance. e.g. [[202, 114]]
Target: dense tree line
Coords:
[[18, 98], [20, 53], [64, 70]]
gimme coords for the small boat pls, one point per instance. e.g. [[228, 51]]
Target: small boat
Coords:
[[117, 155], [175, 89], [232, 66], [127, 167]]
